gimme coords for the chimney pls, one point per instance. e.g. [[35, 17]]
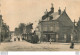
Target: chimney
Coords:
[[52, 8], [46, 12], [59, 11]]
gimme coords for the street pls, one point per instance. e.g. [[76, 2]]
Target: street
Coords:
[[44, 46]]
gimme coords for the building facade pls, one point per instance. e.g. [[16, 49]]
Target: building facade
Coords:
[[77, 31], [56, 26]]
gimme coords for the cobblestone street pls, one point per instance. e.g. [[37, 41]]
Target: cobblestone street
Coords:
[[46, 46]]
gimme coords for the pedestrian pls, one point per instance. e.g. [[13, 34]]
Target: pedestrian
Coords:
[[18, 39], [14, 39], [50, 40], [72, 45]]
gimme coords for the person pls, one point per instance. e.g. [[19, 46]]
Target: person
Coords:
[[18, 39], [72, 45], [14, 39], [50, 40]]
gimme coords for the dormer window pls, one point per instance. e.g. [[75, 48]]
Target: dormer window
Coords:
[[59, 11], [51, 17]]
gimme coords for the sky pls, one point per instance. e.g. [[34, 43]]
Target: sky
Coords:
[[15, 12]]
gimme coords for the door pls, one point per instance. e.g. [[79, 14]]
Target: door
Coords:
[[53, 37], [48, 37]]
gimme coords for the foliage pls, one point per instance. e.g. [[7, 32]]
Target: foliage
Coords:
[[5, 33]]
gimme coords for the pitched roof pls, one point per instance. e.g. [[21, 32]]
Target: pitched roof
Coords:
[[55, 15], [65, 20]]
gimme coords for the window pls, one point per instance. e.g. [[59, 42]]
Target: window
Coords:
[[45, 28], [50, 28]]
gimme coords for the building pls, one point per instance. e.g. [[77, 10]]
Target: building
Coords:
[[24, 31], [56, 26], [77, 31]]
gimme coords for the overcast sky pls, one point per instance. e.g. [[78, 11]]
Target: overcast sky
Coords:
[[25, 11]]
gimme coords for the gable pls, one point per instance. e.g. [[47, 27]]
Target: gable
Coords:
[[65, 20]]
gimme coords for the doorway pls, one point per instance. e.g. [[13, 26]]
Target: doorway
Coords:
[[48, 37], [52, 36]]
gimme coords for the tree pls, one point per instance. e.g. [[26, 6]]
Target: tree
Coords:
[[21, 27], [5, 32], [17, 31], [29, 28]]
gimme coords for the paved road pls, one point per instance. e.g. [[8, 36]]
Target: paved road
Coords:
[[26, 46]]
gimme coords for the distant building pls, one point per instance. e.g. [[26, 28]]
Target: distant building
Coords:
[[55, 25]]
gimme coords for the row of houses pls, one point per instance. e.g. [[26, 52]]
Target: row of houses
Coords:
[[58, 27], [4, 31]]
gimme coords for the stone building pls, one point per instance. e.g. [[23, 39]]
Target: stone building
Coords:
[[56, 26]]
